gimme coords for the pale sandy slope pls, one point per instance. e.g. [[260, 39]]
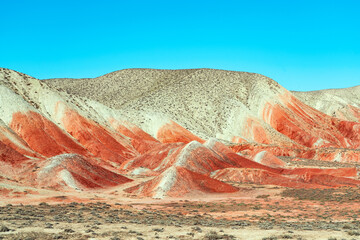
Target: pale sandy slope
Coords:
[[208, 102], [334, 102]]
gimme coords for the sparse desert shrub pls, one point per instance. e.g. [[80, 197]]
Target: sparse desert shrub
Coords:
[[263, 196], [197, 229], [346, 226], [158, 229], [212, 235], [287, 236], [4, 229], [68, 230], [353, 233], [270, 238]]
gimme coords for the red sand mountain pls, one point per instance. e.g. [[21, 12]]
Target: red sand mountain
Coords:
[[97, 139], [175, 132], [76, 172], [140, 140], [43, 136], [172, 132], [178, 181], [267, 159], [310, 127]]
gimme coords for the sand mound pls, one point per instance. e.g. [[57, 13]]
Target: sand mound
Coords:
[[178, 181], [76, 172]]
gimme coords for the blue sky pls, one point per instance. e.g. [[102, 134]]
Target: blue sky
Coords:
[[303, 45]]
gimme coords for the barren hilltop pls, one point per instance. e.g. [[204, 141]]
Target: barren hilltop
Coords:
[[202, 100]]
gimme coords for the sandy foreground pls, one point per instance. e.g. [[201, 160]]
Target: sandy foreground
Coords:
[[138, 231], [255, 212]]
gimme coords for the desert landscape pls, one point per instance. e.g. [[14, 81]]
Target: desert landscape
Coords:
[[177, 154]]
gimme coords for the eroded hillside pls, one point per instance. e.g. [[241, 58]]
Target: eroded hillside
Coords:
[[168, 133]]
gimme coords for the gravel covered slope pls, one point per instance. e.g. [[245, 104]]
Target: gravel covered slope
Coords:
[[116, 88], [208, 102]]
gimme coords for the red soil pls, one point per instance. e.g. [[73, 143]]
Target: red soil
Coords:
[[10, 155], [304, 124], [153, 158], [43, 136], [12, 140], [267, 158], [140, 140], [172, 132], [259, 176], [329, 180], [198, 158], [306, 179], [84, 171], [98, 140], [338, 172], [97, 147], [185, 182], [254, 130]]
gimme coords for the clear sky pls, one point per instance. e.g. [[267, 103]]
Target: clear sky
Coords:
[[303, 45]]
